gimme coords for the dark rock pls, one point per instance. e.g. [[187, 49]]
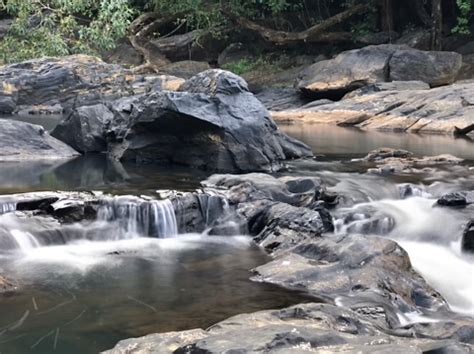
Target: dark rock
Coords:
[[378, 38], [213, 123], [420, 39], [185, 69], [457, 199], [434, 68], [24, 141], [467, 69], [5, 26], [281, 98], [69, 81], [466, 49], [233, 53], [124, 54], [467, 242], [384, 153]]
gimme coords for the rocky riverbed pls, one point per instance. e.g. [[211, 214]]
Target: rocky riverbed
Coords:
[[374, 248]]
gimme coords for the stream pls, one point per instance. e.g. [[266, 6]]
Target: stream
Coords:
[[91, 283]]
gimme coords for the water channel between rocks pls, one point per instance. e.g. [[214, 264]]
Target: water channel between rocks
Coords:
[[83, 295]]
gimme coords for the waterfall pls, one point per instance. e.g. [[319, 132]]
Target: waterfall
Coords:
[[7, 207], [138, 217]]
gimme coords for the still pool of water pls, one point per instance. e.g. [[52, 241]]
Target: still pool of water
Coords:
[[85, 296]]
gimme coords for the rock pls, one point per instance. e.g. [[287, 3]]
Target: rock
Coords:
[[389, 86], [439, 110], [24, 141], [212, 123], [467, 69], [302, 328], [466, 49], [390, 160], [434, 68], [233, 53], [124, 54], [7, 286], [457, 199], [5, 26], [348, 71], [467, 241], [280, 98], [378, 38], [185, 69], [419, 39], [75, 80], [356, 68], [84, 128]]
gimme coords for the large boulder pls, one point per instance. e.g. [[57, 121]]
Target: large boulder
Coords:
[[438, 110], [457, 199], [356, 68], [24, 141], [71, 81], [212, 123]]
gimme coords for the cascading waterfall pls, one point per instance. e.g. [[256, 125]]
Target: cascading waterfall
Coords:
[[137, 217], [7, 207]]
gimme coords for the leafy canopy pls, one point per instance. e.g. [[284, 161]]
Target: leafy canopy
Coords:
[[62, 27]]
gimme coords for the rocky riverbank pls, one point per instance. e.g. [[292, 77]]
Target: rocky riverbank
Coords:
[[372, 296]]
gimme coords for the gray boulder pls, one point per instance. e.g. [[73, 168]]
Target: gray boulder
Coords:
[[69, 82], [457, 199], [356, 68], [24, 141], [212, 123]]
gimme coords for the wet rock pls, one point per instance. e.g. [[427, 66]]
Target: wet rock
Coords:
[[213, 123], [408, 190], [69, 81], [299, 329], [385, 153], [24, 141], [457, 199], [439, 110], [7, 286], [467, 241], [365, 220], [356, 68]]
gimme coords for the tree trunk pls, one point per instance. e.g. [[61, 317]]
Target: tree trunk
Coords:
[[420, 10], [387, 16], [437, 27]]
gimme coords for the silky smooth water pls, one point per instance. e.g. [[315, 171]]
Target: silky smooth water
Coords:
[[87, 285]]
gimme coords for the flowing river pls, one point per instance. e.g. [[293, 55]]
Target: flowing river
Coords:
[[86, 285]]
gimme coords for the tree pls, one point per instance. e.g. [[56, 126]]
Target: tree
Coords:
[[61, 27]]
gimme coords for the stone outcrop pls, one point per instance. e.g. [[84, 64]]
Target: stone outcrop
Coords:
[[71, 81], [447, 109], [213, 122], [24, 141], [353, 69], [299, 329]]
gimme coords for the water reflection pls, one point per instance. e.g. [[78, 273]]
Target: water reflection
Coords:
[[341, 142], [94, 172]]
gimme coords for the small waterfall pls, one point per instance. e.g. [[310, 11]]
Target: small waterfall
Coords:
[[24, 240], [7, 207], [138, 217]]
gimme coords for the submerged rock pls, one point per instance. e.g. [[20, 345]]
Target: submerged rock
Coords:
[[24, 141], [457, 198], [212, 123], [7, 286]]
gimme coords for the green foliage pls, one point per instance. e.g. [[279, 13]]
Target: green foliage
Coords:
[[61, 27], [465, 12]]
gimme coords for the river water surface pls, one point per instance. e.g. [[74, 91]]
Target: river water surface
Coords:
[[88, 285]]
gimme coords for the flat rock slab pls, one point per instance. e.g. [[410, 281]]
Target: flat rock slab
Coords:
[[439, 110], [24, 141], [316, 328]]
